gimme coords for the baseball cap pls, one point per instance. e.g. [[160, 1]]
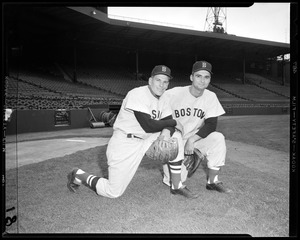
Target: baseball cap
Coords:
[[202, 65], [161, 69]]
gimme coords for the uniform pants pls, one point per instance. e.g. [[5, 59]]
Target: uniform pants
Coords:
[[213, 147], [123, 157]]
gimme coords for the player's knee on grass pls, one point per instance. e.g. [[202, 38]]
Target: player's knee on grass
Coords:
[[112, 194], [106, 189]]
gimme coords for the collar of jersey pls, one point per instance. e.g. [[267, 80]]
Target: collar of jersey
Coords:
[[193, 95]]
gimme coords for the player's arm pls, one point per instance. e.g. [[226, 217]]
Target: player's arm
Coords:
[[167, 132], [210, 125], [151, 126]]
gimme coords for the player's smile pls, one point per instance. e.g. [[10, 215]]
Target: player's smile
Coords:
[[201, 79], [201, 85], [159, 84]]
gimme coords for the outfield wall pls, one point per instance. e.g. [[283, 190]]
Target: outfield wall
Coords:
[[238, 111], [28, 121]]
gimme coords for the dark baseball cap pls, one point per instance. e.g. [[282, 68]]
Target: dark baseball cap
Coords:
[[161, 69], [202, 65]]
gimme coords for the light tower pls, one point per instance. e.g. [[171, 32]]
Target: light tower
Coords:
[[216, 20]]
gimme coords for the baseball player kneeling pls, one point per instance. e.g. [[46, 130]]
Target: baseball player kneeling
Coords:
[[197, 109], [137, 126]]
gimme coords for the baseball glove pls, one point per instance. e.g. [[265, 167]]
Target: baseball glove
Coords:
[[193, 161], [163, 150]]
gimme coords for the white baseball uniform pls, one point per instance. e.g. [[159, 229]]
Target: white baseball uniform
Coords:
[[191, 112], [124, 153]]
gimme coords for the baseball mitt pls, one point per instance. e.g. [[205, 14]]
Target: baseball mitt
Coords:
[[163, 150], [193, 161]]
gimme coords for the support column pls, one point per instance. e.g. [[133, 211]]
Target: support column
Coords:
[[244, 70], [7, 47], [75, 63], [137, 64], [283, 71]]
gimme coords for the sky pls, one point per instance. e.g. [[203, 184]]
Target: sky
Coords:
[[264, 21]]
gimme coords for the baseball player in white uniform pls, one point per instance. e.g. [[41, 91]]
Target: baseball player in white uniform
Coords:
[[137, 126], [197, 109]]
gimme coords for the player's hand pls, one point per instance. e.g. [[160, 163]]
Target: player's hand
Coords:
[[189, 147], [179, 126], [165, 134]]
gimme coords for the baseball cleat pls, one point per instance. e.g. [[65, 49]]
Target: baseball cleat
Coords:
[[71, 177], [218, 186], [184, 191]]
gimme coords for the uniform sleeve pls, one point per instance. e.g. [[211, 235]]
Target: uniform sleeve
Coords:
[[150, 125], [134, 102], [210, 125], [215, 108]]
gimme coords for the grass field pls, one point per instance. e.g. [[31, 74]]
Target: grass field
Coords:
[[257, 170]]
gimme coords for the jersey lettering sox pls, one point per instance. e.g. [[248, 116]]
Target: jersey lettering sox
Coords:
[[192, 111], [142, 100]]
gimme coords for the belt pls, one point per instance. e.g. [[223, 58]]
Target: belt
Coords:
[[130, 135]]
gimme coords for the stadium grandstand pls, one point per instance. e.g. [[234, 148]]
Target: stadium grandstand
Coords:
[[75, 58]]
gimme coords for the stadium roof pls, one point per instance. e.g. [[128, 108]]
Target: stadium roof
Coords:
[[87, 25]]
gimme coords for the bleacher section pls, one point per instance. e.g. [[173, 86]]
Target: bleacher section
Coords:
[[269, 85], [35, 89], [17, 87], [58, 85], [35, 102], [115, 81], [225, 96], [250, 92], [226, 88]]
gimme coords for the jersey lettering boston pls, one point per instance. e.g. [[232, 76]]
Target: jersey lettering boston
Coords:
[[195, 112]]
